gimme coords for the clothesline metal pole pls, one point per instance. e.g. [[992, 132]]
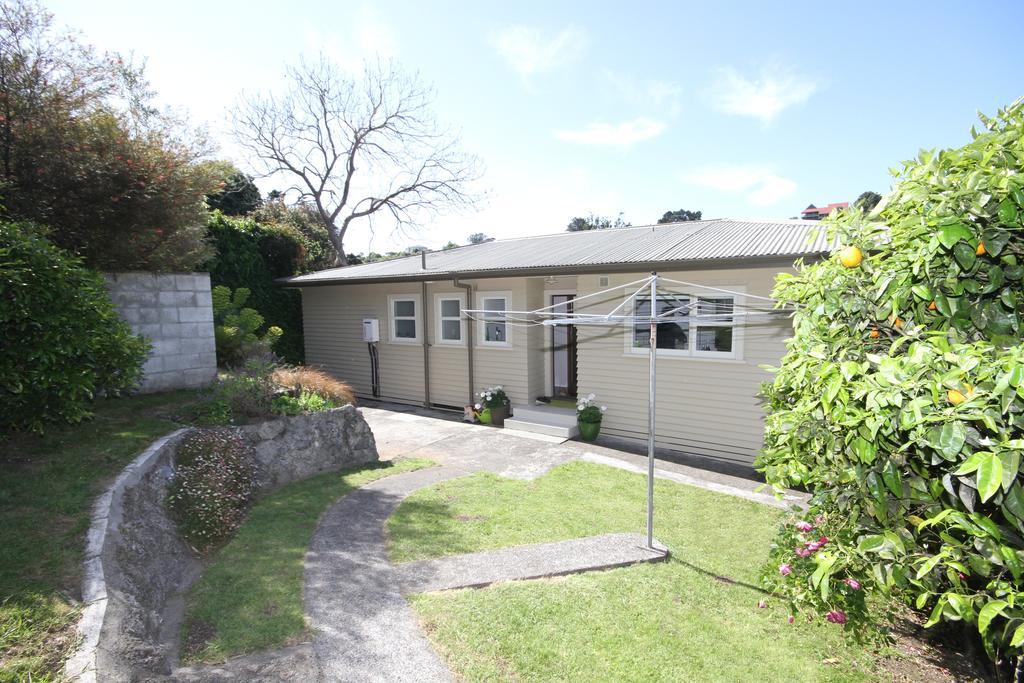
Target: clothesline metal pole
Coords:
[[653, 350]]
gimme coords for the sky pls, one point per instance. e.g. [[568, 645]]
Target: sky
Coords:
[[736, 109]]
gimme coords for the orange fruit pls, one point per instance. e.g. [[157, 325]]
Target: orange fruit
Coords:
[[874, 333], [897, 322], [931, 306], [955, 397], [850, 257], [980, 251]]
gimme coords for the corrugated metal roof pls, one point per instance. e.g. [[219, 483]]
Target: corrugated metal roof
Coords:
[[709, 240]]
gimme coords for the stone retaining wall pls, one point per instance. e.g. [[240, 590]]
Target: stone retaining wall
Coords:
[[137, 566], [175, 312]]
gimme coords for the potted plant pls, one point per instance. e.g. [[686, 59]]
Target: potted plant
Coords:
[[493, 406], [588, 417]]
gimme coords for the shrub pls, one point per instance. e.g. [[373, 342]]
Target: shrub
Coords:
[[302, 379], [214, 482], [237, 328], [63, 342], [900, 401], [305, 402]]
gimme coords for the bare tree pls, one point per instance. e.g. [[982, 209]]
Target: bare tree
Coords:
[[357, 148]]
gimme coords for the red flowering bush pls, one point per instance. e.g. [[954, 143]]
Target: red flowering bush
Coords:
[[213, 484]]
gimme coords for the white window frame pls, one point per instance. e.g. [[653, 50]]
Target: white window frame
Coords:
[[481, 324], [691, 352], [439, 300], [417, 318]]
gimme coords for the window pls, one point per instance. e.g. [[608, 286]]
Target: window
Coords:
[[449, 320], [405, 324], [495, 330], [696, 326]]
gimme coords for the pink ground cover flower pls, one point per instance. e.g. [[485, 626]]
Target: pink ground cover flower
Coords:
[[791, 619], [836, 616], [785, 569], [762, 603], [802, 551], [803, 526], [852, 583]]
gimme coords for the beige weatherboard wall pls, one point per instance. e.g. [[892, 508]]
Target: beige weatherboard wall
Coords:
[[707, 404]]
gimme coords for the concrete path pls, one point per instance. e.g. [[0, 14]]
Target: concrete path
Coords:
[[475, 570]]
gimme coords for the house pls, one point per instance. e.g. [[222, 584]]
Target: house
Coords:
[[816, 213], [432, 352]]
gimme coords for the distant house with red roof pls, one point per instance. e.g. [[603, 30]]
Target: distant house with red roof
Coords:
[[815, 213]]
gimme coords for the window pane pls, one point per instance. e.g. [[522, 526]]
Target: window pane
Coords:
[[494, 304], [714, 339], [670, 335], [451, 330], [720, 309], [494, 332], [405, 329], [450, 308], [405, 309]]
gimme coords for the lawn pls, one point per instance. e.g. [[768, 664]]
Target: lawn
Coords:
[[694, 617], [47, 485], [250, 597]]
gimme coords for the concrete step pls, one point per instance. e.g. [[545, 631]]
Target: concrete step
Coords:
[[521, 425], [547, 415]]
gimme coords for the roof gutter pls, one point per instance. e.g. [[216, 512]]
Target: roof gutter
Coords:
[[587, 269]]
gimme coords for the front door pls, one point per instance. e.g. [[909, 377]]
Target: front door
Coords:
[[563, 350]]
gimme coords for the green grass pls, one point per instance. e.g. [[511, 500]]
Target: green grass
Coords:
[[693, 617], [47, 485], [563, 403], [250, 597]]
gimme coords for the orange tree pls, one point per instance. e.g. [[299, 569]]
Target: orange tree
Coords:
[[900, 402]]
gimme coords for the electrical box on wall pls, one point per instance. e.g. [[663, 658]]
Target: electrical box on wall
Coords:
[[371, 330]]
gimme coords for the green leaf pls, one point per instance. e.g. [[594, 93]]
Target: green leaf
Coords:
[[1007, 212], [948, 439], [1010, 460], [990, 476], [964, 255], [989, 612], [1018, 637], [953, 233], [972, 463]]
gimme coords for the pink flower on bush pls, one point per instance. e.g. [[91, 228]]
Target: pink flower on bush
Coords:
[[785, 569], [836, 616], [802, 551], [852, 583], [803, 526], [819, 520], [762, 603]]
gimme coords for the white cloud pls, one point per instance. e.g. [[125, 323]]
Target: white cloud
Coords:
[[622, 134], [660, 95], [530, 51], [763, 96], [760, 184], [365, 37]]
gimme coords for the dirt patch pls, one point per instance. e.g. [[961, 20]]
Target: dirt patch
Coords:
[[941, 654], [471, 518], [198, 634]]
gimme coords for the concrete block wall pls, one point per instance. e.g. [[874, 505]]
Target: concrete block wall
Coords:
[[175, 312]]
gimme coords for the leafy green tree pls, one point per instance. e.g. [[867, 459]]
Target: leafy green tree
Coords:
[[679, 216], [867, 201], [238, 328], [83, 151], [302, 218], [479, 238], [900, 402], [253, 255], [449, 245], [236, 194], [593, 222], [64, 344]]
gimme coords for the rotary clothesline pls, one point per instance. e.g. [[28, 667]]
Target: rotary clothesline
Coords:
[[646, 291]]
